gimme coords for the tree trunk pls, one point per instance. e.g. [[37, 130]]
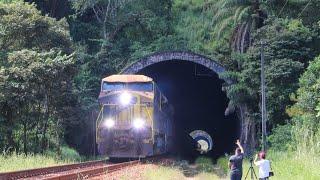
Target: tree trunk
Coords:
[[239, 37], [38, 129], [45, 127], [244, 39], [59, 135], [53, 8], [25, 138], [9, 123], [248, 129]]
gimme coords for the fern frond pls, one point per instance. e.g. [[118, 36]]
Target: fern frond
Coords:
[[221, 15], [224, 25], [243, 14]]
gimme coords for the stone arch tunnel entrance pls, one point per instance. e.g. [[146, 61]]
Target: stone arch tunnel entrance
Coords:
[[192, 85]]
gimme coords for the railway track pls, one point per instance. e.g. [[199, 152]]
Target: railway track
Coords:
[[68, 172]]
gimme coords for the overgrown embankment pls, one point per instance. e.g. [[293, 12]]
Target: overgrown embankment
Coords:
[[285, 165], [17, 161]]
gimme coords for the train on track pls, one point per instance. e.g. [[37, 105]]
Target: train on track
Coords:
[[135, 119]]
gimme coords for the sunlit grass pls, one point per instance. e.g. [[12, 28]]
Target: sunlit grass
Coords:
[[295, 166], [286, 165], [15, 162], [208, 176], [19, 161], [161, 172], [205, 170], [303, 166]]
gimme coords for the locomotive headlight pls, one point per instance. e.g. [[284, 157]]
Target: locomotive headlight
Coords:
[[125, 98], [138, 123], [109, 123]]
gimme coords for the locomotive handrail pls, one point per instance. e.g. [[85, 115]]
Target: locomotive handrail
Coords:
[[152, 128], [100, 114]]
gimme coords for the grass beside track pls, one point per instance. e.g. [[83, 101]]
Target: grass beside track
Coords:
[[294, 165], [17, 162], [302, 166], [285, 165]]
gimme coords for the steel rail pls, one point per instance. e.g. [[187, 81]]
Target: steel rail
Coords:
[[70, 171]]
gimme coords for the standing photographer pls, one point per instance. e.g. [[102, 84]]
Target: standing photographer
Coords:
[[235, 163], [264, 166]]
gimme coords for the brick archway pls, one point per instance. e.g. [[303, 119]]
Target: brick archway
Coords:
[[173, 56]]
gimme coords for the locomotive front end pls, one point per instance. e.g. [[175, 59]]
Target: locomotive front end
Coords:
[[124, 128]]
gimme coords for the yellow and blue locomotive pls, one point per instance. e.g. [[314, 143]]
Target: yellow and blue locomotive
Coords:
[[135, 118]]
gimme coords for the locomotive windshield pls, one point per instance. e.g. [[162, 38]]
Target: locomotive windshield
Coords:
[[133, 86]]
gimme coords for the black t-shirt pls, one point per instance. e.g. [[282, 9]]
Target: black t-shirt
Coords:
[[236, 162]]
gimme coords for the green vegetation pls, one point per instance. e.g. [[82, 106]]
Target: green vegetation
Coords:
[[294, 165], [204, 164], [36, 71], [66, 154], [286, 165], [162, 172], [15, 162], [54, 53]]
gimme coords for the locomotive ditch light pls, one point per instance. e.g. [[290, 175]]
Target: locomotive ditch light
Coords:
[[138, 123], [125, 98], [109, 123]]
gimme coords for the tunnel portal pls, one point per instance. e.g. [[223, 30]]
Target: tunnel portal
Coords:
[[195, 91]]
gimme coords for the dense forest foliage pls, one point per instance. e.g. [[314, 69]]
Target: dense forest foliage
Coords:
[[54, 53]]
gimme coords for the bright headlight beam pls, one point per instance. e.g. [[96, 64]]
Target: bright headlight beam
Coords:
[[138, 123], [125, 98], [109, 123]]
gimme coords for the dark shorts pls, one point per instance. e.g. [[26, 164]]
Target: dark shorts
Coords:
[[264, 178], [235, 175]]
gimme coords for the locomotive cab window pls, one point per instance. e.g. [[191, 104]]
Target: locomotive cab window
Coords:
[[132, 86]]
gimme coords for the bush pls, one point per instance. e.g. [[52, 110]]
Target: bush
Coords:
[[204, 164], [68, 153], [281, 138], [222, 162]]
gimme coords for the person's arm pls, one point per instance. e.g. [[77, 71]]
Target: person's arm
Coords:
[[239, 145], [256, 160], [230, 162]]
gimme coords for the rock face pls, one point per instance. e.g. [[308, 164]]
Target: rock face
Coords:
[[174, 56]]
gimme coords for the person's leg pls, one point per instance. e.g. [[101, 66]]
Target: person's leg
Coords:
[[234, 176], [240, 176]]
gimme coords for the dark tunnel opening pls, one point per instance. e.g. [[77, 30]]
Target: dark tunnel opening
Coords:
[[196, 94]]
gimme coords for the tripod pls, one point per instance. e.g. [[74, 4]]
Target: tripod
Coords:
[[251, 170]]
